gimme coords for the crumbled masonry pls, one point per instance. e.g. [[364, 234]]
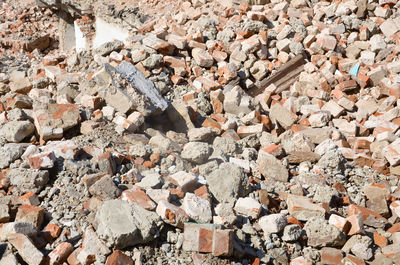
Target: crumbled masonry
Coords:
[[147, 132]]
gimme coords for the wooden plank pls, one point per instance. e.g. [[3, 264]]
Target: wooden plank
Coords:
[[283, 78]]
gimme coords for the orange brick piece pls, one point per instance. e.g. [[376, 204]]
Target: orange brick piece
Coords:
[[331, 255], [52, 230], [119, 258], [60, 253], [30, 214]]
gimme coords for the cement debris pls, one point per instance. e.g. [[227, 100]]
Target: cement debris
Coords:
[[199, 132]]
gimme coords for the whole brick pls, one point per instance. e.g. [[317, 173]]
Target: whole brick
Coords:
[[208, 238], [222, 243]]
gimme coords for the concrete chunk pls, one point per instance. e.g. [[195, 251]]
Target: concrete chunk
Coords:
[[16, 131], [228, 182], [123, 224], [271, 167]]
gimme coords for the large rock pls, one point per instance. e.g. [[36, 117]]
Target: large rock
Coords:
[[333, 161], [108, 47], [28, 180], [228, 182], [16, 131], [124, 224], [273, 223], [297, 143]]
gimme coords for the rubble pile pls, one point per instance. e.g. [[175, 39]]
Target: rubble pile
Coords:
[[215, 132], [24, 27]]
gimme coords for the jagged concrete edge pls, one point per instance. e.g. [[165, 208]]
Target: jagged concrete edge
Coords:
[[137, 79]]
